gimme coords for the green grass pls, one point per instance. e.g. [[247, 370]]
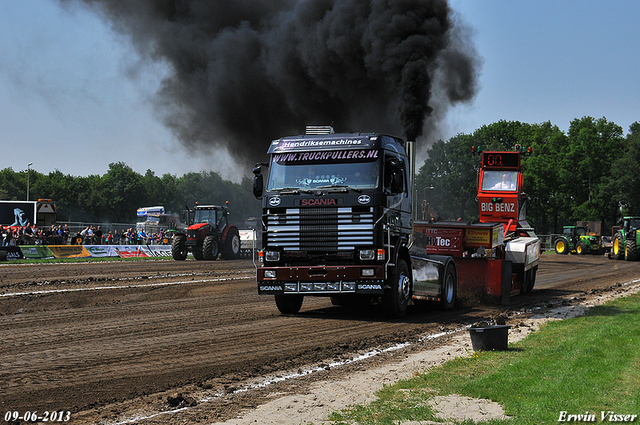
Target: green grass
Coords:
[[587, 364]]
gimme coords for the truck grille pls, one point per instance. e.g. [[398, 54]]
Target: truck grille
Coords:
[[319, 229]]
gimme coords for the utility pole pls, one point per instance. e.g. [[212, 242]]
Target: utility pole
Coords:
[[28, 175]]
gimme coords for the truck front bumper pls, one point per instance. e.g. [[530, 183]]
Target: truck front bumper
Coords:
[[328, 280]]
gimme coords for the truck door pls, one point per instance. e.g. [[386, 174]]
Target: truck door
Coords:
[[396, 189]]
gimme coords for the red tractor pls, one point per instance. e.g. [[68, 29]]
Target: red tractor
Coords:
[[208, 235]]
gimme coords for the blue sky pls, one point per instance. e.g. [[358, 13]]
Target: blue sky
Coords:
[[553, 60], [75, 97]]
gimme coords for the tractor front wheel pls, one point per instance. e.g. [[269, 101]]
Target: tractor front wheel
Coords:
[[197, 253], [210, 248], [617, 248], [561, 246], [581, 248]]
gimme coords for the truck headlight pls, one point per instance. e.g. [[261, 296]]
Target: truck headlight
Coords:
[[272, 255], [368, 272], [333, 286], [291, 287], [367, 254], [270, 274], [348, 286]]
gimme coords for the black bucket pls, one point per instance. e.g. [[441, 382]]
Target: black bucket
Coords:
[[490, 338]]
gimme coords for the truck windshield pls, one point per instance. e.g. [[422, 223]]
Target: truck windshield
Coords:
[[314, 170], [499, 180]]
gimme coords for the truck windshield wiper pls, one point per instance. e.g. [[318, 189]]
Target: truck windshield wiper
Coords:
[[291, 190], [339, 186]]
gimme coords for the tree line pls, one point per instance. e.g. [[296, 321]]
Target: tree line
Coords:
[[115, 196], [588, 173]]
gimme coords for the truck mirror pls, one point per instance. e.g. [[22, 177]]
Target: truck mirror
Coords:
[[257, 185], [397, 181], [396, 173], [258, 181]]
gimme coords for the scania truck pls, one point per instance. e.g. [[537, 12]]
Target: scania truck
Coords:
[[337, 221]]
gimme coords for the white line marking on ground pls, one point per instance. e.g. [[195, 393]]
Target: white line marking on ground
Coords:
[[101, 288]]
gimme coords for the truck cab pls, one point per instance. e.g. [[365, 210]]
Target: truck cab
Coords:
[[336, 219]]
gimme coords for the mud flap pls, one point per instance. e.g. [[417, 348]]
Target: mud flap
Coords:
[[505, 299]]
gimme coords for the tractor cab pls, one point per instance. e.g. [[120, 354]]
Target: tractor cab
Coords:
[[212, 215], [574, 232], [630, 223]]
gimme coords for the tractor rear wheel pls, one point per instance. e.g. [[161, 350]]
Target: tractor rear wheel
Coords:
[[179, 248], [631, 249], [561, 246], [617, 247]]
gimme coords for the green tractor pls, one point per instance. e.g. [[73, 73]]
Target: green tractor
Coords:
[[626, 239], [577, 239]]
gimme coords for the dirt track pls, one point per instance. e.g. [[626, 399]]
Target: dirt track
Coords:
[[104, 339]]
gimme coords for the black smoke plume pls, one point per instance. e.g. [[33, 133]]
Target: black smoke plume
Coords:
[[244, 72]]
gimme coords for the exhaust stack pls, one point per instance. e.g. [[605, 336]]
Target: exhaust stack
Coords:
[[411, 153]]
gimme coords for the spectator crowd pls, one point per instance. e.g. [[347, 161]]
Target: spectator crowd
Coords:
[[90, 235]]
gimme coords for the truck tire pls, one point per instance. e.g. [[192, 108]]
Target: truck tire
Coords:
[[561, 246], [631, 249], [396, 299], [210, 248], [347, 300], [581, 248], [289, 304], [617, 247], [232, 244], [179, 248], [449, 287]]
